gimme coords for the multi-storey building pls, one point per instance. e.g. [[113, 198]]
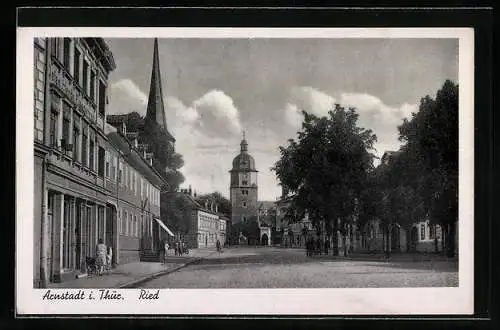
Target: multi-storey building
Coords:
[[134, 188], [71, 76], [202, 225]]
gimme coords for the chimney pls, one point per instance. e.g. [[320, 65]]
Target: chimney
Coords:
[[206, 204], [194, 193], [190, 191]]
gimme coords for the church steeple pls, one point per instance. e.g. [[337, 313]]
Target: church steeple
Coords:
[[155, 110], [244, 144]]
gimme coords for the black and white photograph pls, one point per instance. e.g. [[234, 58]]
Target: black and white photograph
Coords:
[[256, 170]]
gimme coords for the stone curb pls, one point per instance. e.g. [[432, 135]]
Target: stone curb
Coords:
[[134, 283]]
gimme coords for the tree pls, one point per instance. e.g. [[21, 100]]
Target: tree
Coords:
[[166, 161], [432, 135], [134, 122], [325, 169], [224, 205]]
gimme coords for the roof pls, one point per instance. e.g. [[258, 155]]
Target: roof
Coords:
[[190, 199], [133, 157], [155, 109], [266, 204]]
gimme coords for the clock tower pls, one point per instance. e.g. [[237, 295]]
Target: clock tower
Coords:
[[243, 187]]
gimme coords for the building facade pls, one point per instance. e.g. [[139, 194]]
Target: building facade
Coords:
[[134, 189], [243, 186], [71, 76], [199, 225]]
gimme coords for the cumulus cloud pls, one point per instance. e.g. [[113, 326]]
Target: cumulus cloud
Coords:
[[374, 114], [311, 100], [127, 97], [207, 132]]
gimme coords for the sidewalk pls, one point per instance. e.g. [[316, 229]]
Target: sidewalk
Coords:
[[131, 274]]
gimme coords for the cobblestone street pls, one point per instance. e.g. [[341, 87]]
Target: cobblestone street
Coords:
[[269, 267]]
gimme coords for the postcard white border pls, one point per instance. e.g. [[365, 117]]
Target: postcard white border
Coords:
[[358, 301]]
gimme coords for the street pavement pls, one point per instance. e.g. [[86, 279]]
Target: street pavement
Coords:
[[271, 267], [130, 274]]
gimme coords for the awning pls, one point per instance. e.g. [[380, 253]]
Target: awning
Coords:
[[164, 227]]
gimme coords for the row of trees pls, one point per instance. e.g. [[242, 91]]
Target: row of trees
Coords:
[[328, 170]]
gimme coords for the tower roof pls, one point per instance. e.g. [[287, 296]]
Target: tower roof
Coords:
[[243, 162], [155, 109]]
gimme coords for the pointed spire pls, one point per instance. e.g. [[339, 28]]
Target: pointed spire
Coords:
[[244, 143], [155, 108]]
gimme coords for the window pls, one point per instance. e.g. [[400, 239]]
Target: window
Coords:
[[244, 219], [55, 47], [91, 153], [113, 168], [76, 137], [100, 161], [432, 232], [244, 192], [85, 76], [53, 129], [84, 145], [120, 172], [92, 85], [244, 182], [66, 50], [107, 169], [244, 204], [102, 98], [65, 142], [76, 66], [422, 232], [124, 223]]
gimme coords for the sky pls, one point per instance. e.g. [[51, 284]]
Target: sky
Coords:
[[216, 88]]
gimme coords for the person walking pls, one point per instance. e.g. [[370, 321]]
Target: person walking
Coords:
[[218, 245], [101, 252], [165, 251], [109, 258], [327, 245]]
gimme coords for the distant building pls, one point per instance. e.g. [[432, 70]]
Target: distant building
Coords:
[[290, 232], [201, 224]]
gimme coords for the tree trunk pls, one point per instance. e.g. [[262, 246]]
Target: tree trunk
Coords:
[[450, 244], [388, 242], [335, 240]]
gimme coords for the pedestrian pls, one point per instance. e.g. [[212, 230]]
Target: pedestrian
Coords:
[[318, 246], [327, 246], [176, 247], [308, 247], [109, 258], [101, 252], [165, 251], [218, 245]]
